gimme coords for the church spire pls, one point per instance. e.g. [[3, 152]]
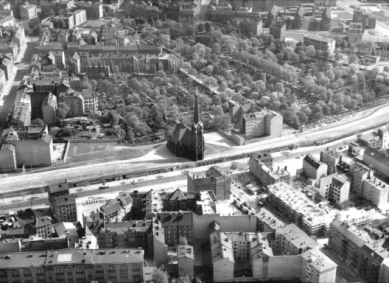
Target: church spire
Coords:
[[196, 116]]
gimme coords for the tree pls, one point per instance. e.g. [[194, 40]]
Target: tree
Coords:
[[62, 110], [353, 59], [183, 240], [37, 122], [113, 117], [160, 276], [200, 27]]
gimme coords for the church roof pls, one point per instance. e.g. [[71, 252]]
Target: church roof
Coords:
[[182, 134]]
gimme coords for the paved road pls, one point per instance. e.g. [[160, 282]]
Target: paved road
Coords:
[[23, 68]]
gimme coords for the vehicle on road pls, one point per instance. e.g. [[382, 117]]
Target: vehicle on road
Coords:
[[103, 187]]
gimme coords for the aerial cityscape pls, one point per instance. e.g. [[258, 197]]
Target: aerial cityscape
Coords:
[[191, 141]]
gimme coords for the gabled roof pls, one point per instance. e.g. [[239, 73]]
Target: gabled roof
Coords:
[[177, 195]]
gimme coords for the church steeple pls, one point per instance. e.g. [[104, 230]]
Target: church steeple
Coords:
[[196, 115]]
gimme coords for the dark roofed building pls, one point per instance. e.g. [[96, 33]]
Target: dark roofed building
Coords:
[[175, 201], [188, 142], [176, 224], [378, 161]]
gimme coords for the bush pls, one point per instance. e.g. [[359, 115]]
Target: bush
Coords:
[[234, 165]]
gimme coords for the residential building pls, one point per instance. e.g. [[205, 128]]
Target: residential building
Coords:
[[175, 201], [117, 265], [317, 267], [313, 169], [298, 18], [28, 12], [272, 15], [291, 240], [330, 157], [262, 157], [241, 245], [267, 176], [358, 173], [21, 114], [222, 256], [75, 83], [376, 191], [320, 42], [262, 124], [325, 23], [7, 65], [91, 102], [384, 136], [64, 208], [145, 234], [58, 189], [358, 249], [49, 109], [32, 146], [298, 208], [43, 226], [278, 29], [188, 142], [185, 260], [360, 15], [372, 139], [377, 161], [145, 205], [94, 10], [268, 222], [75, 101], [176, 224], [116, 209], [79, 17], [214, 180], [335, 188]]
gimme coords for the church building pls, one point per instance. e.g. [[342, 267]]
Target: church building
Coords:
[[188, 142]]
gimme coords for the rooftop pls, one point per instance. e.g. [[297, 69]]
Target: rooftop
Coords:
[[185, 251]]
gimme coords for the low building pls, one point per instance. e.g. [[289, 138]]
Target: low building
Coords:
[[116, 209], [262, 157], [93, 10], [335, 188], [185, 260], [267, 176], [371, 139], [175, 201], [320, 42]]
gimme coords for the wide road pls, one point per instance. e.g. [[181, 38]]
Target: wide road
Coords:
[[23, 69], [362, 120]]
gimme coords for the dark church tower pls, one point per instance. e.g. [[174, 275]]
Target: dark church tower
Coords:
[[197, 132]]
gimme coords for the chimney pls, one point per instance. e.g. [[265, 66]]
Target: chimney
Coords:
[[286, 168]]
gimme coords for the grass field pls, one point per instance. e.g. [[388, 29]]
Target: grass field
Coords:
[[92, 153]]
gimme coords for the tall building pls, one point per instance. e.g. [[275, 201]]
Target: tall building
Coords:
[[49, 108], [358, 173], [278, 29], [146, 234], [378, 161], [335, 188], [298, 18], [214, 180], [188, 142], [325, 24], [62, 203], [71, 265], [262, 124], [176, 224], [376, 191], [313, 169], [332, 158]]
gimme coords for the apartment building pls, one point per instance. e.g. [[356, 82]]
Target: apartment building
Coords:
[[264, 157], [43, 226], [316, 267], [175, 201], [332, 158], [267, 176], [376, 191], [49, 109], [325, 23], [176, 224], [215, 180], [320, 42], [115, 265], [268, 222], [278, 29], [21, 114], [91, 102], [222, 257], [313, 169], [377, 161], [28, 12], [358, 250], [147, 234], [335, 188], [298, 208], [383, 133], [145, 205], [262, 124], [79, 17], [7, 65], [358, 174], [62, 203], [32, 146], [185, 260], [116, 209], [93, 10], [241, 245]]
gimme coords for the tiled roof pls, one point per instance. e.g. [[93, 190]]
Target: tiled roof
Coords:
[[180, 218]]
